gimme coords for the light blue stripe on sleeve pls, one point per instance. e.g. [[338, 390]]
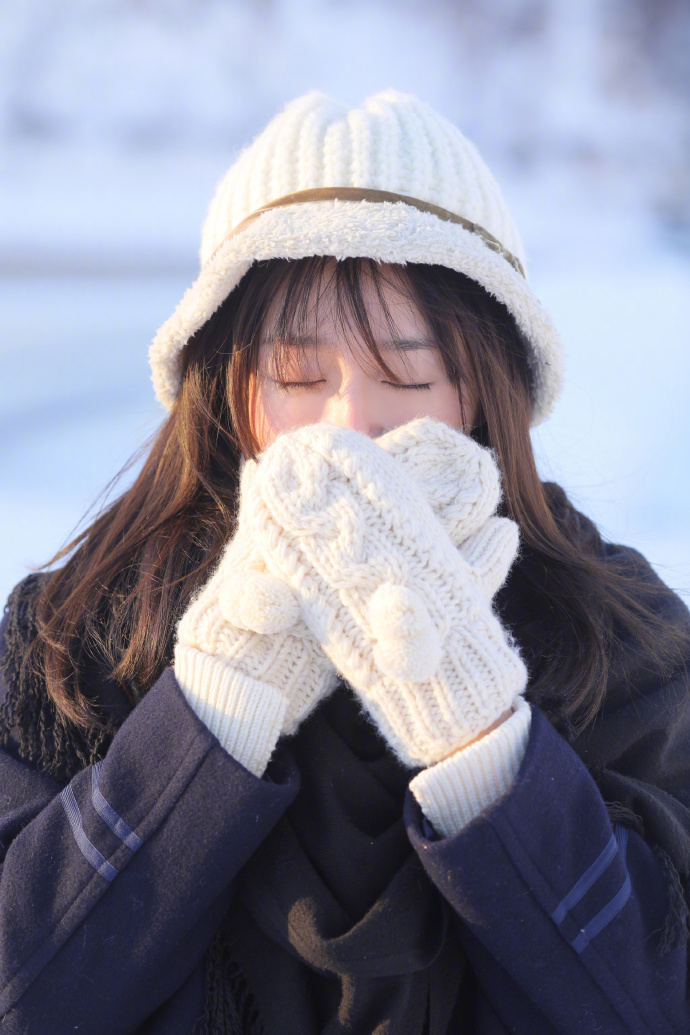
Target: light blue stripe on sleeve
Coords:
[[603, 917], [89, 851], [109, 815], [613, 907], [588, 878]]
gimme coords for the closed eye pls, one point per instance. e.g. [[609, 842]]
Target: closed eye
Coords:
[[286, 386]]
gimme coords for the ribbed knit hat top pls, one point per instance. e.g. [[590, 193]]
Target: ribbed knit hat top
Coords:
[[390, 180]]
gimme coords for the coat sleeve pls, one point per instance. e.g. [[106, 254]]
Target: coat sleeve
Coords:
[[112, 886], [561, 914]]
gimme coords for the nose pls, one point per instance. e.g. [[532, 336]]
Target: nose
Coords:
[[353, 407]]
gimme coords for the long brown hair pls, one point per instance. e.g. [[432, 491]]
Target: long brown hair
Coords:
[[129, 576]]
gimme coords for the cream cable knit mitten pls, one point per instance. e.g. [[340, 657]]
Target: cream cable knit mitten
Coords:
[[250, 669], [463, 489], [461, 483], [401, 613]]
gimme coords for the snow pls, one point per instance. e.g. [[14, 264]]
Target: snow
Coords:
[[619, 439], [116, 120]]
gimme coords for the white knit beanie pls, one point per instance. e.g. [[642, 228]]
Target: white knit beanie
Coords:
[[392, 181]]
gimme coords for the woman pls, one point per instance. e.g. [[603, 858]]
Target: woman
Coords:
[[305, 743]]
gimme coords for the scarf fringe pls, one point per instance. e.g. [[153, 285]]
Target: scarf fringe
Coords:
[[230, 1006], [676, 929], [45, 740]]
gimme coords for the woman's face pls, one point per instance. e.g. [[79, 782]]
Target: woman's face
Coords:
[[331, 376]]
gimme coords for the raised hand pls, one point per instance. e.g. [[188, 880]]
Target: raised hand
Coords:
[[246, 662], [397, 608]]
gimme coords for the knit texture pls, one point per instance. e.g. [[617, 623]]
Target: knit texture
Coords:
[[393, 603], [461, 483], [455, 791], [246, 716], [392, 142], [246, 661]]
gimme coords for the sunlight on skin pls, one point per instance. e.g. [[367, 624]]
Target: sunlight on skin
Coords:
[[335, 379]]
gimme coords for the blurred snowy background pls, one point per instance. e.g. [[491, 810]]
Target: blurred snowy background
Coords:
[[117, 117]]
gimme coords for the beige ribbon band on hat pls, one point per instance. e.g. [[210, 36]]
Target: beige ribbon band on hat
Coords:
[[300, 197]]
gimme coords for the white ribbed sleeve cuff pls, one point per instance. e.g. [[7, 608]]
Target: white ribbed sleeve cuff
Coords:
[[244, 714], [452, 793]]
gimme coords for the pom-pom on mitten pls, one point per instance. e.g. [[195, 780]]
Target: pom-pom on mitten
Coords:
[[246, 662], [395, 605]]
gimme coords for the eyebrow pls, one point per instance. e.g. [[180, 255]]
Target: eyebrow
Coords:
[[393, 345]]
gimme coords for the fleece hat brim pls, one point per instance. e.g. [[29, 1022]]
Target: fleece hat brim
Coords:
[[388, 232]]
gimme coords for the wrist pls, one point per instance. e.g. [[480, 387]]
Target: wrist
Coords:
[[455, 791], [245, 714], [475, 740]]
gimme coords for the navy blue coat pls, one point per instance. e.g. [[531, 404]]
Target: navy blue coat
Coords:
[[113, 885]]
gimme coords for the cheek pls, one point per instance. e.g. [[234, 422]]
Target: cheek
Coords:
[[448, 407], [440, 402], [274, 412]]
